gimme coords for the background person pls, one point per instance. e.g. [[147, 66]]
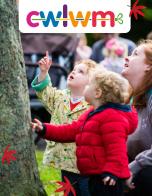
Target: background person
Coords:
[[115, 51], [138, 71], [83, 51], [97, 49]]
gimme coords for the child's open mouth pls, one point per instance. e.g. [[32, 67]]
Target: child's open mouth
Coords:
[[71, 77], [126, 65]]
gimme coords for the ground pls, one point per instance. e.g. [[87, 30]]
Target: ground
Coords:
[[48, 176]]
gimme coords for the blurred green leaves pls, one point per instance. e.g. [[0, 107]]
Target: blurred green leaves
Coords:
[[148, 10], [148, 14]]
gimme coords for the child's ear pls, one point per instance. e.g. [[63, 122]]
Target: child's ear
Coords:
[[148, 68], [98, 93]]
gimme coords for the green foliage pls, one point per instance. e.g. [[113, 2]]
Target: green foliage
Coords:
[[148, 9], [147, 3], [48, 176], [148, 14]]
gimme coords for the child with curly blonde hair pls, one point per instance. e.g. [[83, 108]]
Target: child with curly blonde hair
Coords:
[[64, 106], [100, 133]]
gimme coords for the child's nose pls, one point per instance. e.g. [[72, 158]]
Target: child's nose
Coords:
[[127, 59]]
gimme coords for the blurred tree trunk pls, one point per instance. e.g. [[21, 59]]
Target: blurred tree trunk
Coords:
[[20, 177]]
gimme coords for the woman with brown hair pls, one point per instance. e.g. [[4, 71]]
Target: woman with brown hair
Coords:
[[138, 71]]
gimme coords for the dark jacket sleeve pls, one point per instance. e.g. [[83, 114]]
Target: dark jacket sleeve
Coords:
[[144, 158]]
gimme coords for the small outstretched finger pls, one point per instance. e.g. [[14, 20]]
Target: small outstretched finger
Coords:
[[106, 179], [112, 182], [48, 59], [132, 186], [38, 126], [33, 126], [37, 121], [47, 54]]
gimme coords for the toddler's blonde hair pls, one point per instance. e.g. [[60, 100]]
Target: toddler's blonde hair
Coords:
[[90, 64], [114, 87]]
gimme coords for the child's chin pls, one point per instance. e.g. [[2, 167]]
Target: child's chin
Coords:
[[70, 85], [123, 73], [86, 100]]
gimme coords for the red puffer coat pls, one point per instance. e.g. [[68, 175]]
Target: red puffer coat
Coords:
[[100, 137]]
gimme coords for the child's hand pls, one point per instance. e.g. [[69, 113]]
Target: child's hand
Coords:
[[109, 181], [36, 126], [44, 65], [129, 183]]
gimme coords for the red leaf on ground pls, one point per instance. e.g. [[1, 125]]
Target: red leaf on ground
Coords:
[[66, 187]]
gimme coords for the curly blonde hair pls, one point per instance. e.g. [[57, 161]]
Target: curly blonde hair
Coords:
[[115, 88], [90, 64]]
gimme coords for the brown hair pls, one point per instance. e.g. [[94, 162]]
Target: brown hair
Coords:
[[114, 87], [90, 64], [139, 97]]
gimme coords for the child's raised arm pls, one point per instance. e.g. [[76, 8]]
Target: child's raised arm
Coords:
[[49, 95]]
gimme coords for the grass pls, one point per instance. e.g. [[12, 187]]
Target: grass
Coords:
[[48, 176]]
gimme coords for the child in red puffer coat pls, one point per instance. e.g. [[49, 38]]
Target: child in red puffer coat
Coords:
[[100, 133]]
